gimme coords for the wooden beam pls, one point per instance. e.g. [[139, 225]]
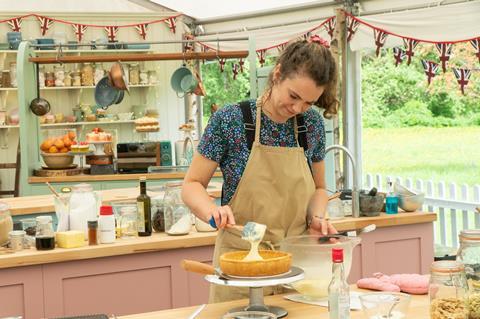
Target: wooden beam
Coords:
[[141, 57]]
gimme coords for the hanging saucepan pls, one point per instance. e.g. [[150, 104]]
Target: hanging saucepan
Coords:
[[183, 81], [117, 77], [39, 106], [106, 95]]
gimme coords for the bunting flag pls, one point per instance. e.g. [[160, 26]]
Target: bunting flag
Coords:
[[380, 38], [241, 63], [79, 30], [445, 50], [281, 47], [142, 30], [330, 27], [462, 75], [222, 64], [306, 36], [476, 46], [172, 23], [111, 32], [45, 24], [15, 24], [261, 56], [399, 55], [410, 45], [352, 26], [188, 46], [235, 70], [430, 69]]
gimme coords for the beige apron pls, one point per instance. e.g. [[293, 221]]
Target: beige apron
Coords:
[[274, 190]]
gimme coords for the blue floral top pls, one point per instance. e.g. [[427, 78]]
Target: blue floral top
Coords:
[[224, 141]]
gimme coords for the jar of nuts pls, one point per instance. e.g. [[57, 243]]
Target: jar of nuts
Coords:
[[87, 74], [448, 290]]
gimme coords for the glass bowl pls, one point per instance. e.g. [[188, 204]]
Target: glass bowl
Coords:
[[249, 315], [385, 305]]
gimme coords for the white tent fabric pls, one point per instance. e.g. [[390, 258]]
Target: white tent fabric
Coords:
[[450, 23]]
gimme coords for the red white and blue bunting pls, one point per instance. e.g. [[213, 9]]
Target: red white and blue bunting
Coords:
[[462, 75], [430, 69], [45, 24], [399, 55], [445, 50]]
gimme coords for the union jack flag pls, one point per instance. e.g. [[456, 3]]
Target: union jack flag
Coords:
[[45, 24], [476, 45], [171, 23], [261, 56], [281, 47], [462, 75], [222, 64], [142, 30], [306, 36], [241, 63], [445, 50], [79, 30], [430, 69], [330, 26], [399, 55], [235, 70], [111, 32], [15, 24], [380, 38], [410, 45], [352, 26]]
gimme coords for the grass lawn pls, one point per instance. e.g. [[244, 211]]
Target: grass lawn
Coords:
[[448, 154]]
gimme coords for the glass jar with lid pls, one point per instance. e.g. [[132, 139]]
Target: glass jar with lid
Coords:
[[469, 254], [6, 79], [59, 72], [448, 290], [178, 220], [83, 206], [13, 74], [158, 215], [87, 74], [41, 76], [49, 79], [76, 78], [152, 77], [134, 74], [6, 223], [143, 77], [44, 234]]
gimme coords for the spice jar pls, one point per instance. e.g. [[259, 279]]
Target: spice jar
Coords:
[[87, 74], [152, 77], [13, 74], [76, 78], [59, 72], [92, 232], [143, 77], [178, 219], [16, 239], [6, 79], [49, 79], [448, 290], [6, 222], [44, 234], [134, 74]]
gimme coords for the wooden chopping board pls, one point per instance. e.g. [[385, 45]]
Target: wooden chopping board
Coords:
[[56, 172]]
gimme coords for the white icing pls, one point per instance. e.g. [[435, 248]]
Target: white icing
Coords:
[[253, 233]]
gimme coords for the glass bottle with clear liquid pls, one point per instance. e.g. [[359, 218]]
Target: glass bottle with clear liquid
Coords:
[[338, 290], [391, 201]]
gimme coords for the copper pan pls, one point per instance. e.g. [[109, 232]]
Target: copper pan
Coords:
[[117, 77]]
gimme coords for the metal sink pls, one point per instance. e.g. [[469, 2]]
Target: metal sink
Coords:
[[168, 169]]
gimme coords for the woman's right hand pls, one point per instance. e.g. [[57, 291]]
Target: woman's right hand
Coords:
[[223, 215]]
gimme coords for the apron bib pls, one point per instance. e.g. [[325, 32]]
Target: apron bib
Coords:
[[274, 190]]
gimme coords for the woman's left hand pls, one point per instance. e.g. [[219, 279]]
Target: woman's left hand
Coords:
[[322, 227]]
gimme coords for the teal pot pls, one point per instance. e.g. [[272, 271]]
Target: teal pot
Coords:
[[183, 81], [105, 94]]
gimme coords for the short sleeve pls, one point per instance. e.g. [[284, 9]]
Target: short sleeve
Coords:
[[213, 144], [318, 153]]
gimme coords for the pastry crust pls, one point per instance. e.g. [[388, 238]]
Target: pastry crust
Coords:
[[273, 263]]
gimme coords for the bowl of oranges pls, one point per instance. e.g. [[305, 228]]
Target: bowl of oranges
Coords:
[[55, 148]]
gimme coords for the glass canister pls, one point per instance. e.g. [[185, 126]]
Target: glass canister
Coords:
[[49, 79], [87, 74], [128, 221], [158, 214], [469, 255], [76, 78], [6, 79], [59, 72], [134, 74], [44, 234], [41, 76], [6, 222], [152, 77], [83, 206], [448, 290], [13, 74], [178, 219], [143, 77]]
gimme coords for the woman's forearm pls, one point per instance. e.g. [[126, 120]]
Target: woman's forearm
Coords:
[[196, 197], [318, 203]]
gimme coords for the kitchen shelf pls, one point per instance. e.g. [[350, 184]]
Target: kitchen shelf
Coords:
[[65, 51], [87, 123], [9, 126], [8, 89], [80, 87]]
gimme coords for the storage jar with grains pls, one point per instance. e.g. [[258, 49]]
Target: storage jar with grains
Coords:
[[134, 74], [448, 290], [87, 75], [76, 78], [469, 255], [6, 222], [178, 219]]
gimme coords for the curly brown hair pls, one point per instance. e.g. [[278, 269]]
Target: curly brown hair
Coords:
[[317, 62]]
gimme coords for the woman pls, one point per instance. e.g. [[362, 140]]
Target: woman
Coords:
[[272, 175]]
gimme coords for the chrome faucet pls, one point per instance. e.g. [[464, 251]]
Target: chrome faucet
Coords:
[[355, 187]]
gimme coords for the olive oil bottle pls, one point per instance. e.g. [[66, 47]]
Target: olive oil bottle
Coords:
[[144, 218]]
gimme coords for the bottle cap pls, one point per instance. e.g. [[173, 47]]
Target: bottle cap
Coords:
[[92, 224], [337, 255], [106, 210]]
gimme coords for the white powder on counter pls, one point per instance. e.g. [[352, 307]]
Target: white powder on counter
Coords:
[[182, 226]]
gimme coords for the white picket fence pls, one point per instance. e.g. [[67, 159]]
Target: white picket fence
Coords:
[[456, 207]]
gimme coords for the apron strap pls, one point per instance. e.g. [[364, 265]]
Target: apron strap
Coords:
[[248, 125]]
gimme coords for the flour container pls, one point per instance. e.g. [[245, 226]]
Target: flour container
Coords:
[[84, 206]]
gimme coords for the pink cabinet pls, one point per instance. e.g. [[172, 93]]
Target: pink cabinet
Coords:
[[21, 292]]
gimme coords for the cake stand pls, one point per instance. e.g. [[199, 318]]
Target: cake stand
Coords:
[[256, 284], [99, 146], [81, 156]]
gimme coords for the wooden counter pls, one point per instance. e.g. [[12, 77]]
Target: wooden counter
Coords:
[[110, 177], [419, 309], [44, 203]]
